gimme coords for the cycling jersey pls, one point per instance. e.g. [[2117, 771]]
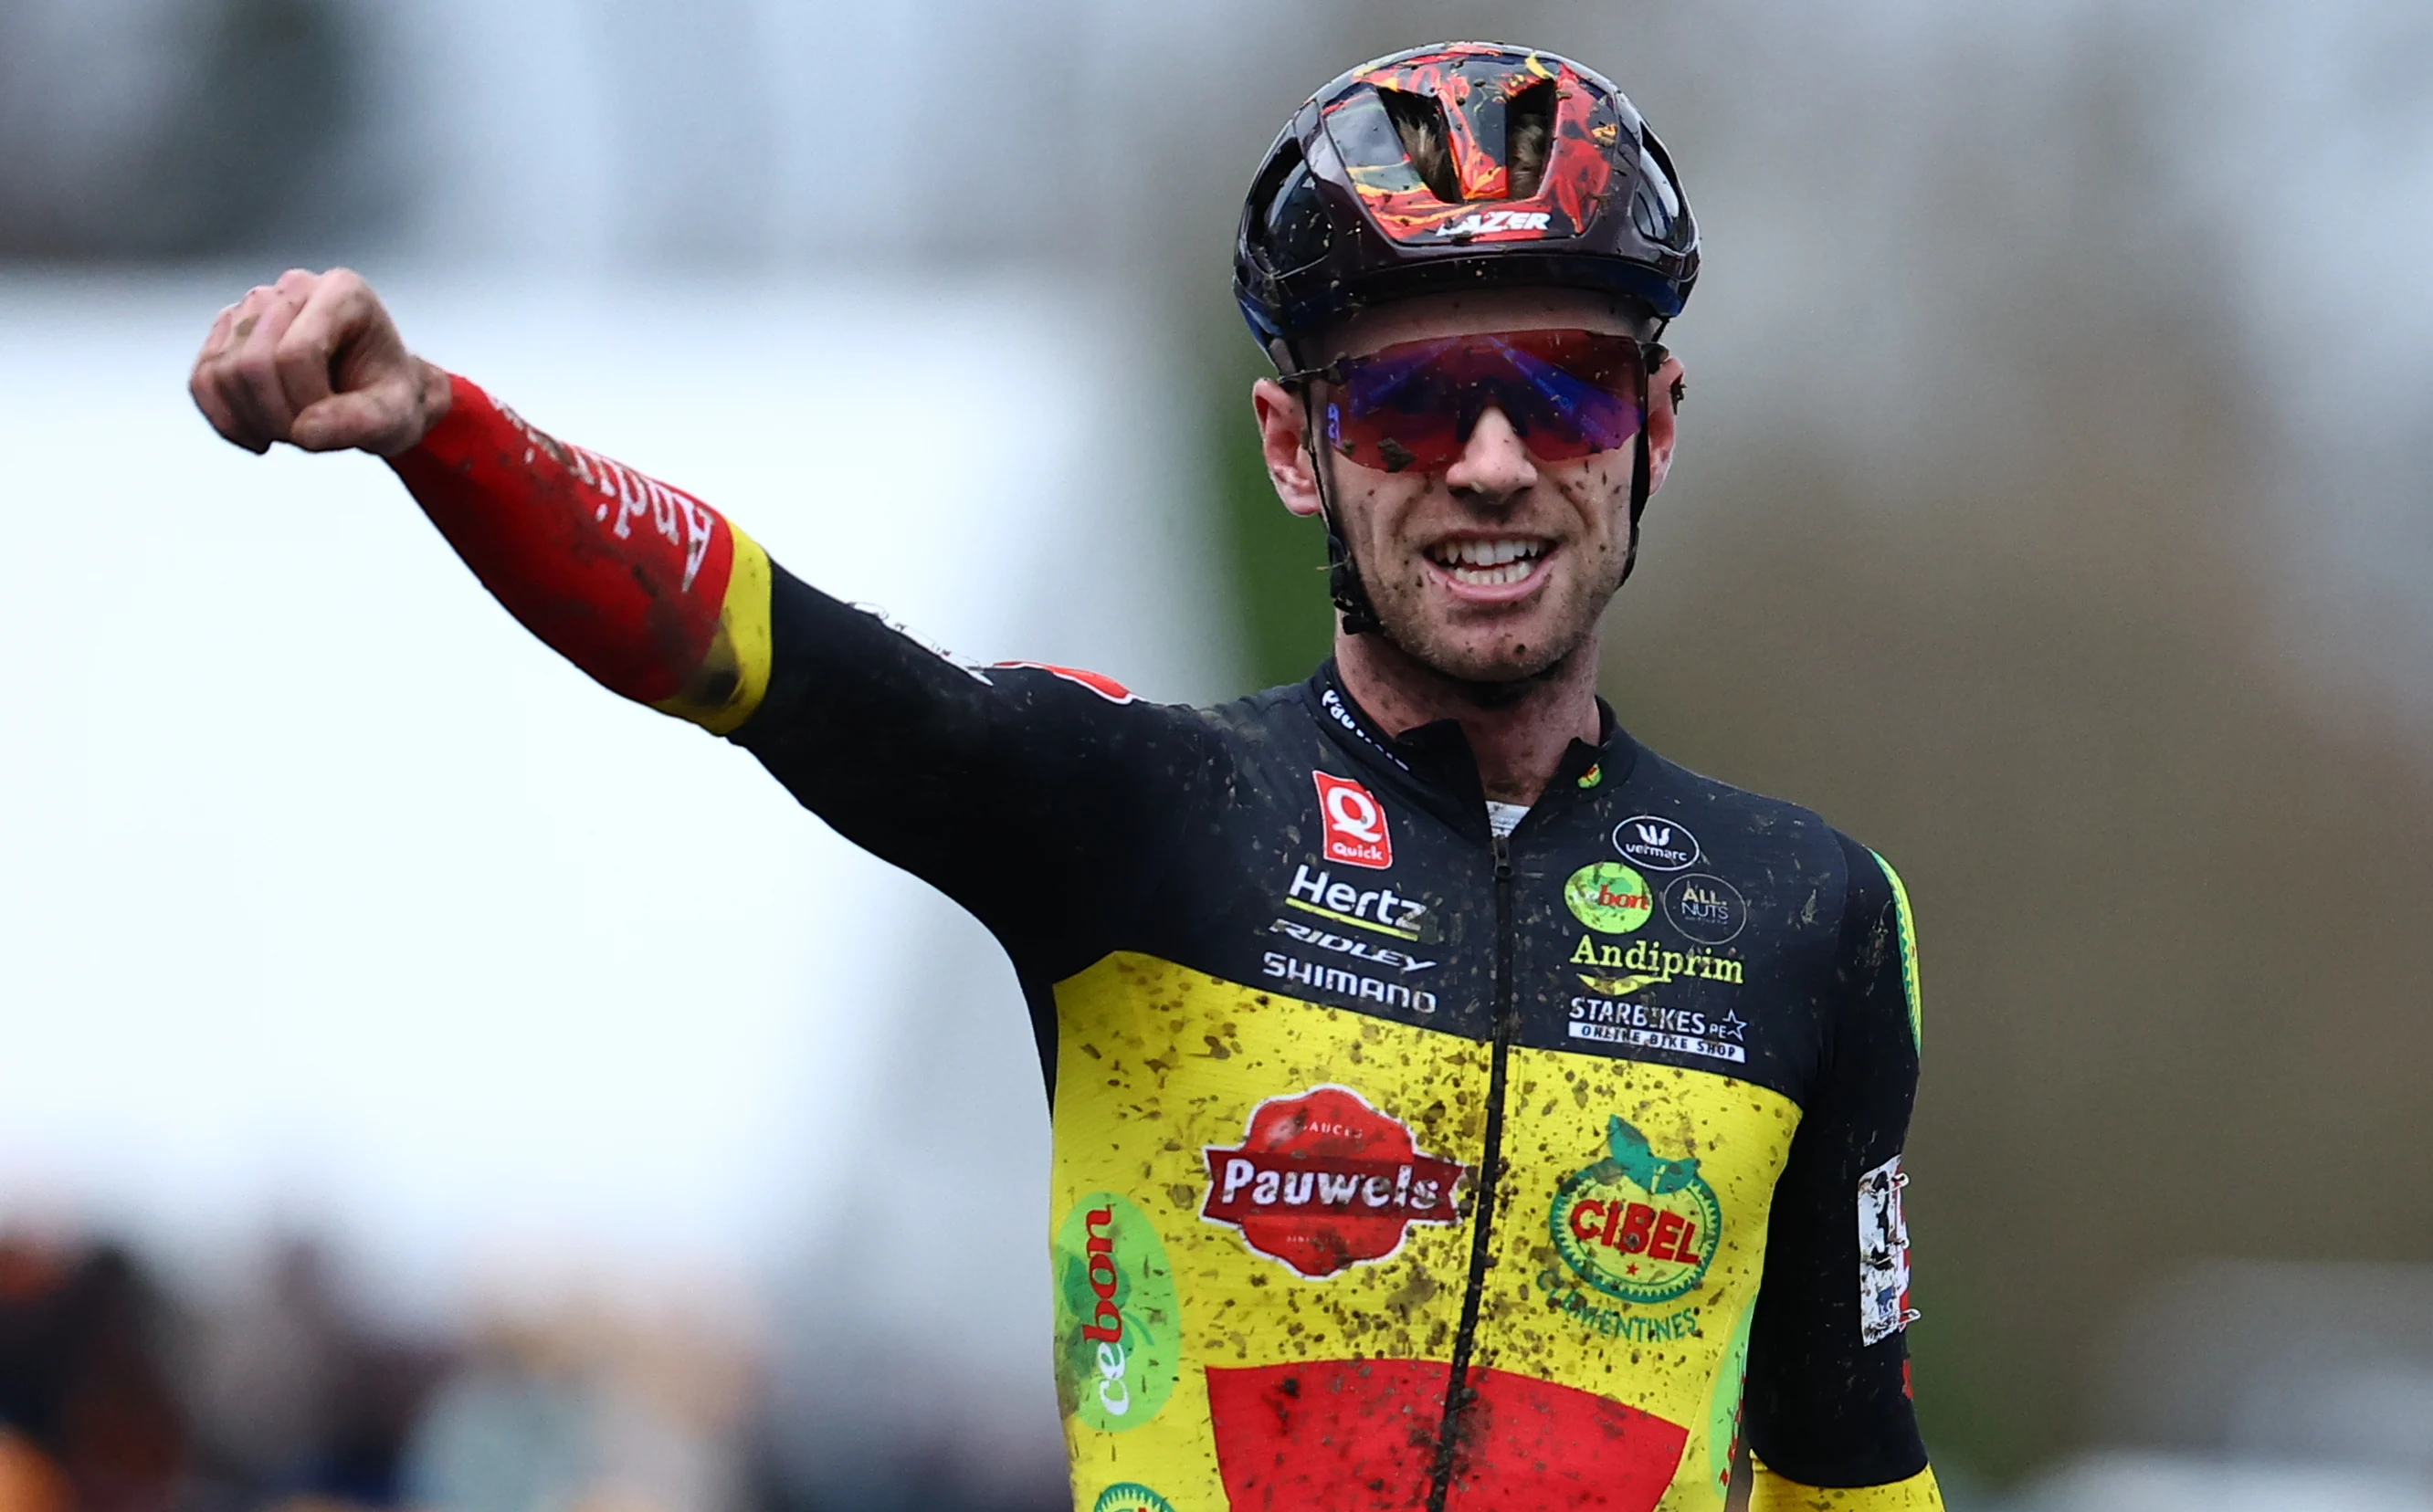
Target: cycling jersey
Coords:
[[1398, 1163]]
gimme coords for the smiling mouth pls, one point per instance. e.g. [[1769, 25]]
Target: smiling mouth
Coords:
[[1487, 564]]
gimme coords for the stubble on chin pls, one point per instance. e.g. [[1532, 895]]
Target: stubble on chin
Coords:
[[1498, 667]]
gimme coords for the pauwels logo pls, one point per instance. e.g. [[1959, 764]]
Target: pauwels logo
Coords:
[[1355, 824], [1636, 1225], [1323, 1181]]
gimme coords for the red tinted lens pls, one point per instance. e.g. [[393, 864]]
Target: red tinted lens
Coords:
[[1568, 393]]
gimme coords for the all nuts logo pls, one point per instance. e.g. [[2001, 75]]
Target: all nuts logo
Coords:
[[1635, 1225], [1323, 1181], [1118, 1326], [1355, 824]]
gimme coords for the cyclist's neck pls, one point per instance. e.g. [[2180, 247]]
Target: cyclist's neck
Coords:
[[1517, 734]]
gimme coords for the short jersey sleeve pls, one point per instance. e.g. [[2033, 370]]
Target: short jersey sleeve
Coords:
[[1828, 1403]]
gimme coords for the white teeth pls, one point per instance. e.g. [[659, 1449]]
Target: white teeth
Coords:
[[1491, 576], [1487, 563]]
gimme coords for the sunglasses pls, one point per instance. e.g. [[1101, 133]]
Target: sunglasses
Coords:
[[1568, 393]]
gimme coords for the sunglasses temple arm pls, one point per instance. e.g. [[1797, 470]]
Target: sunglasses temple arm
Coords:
[[1658, 354]]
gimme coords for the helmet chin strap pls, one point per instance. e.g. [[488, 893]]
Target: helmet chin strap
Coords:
[[1642, 479], [1343, 585]]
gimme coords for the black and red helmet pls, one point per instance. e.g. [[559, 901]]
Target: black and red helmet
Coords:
[[1341, 216]]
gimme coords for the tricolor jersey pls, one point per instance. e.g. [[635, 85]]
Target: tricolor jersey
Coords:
[[1398, 1164]]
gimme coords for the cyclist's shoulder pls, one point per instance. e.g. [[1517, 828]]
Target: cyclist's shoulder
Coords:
[[1261, 718], [1783, 836]]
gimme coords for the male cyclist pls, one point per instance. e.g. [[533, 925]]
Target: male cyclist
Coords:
[[1456, 1105]]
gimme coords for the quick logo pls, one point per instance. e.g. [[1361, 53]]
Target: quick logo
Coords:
[[1354, 824]]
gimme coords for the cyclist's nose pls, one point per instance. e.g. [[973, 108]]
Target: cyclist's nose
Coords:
[[1493, 464]]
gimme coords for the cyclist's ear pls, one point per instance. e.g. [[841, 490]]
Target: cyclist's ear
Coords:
[[1284, 425], [1664, 391]]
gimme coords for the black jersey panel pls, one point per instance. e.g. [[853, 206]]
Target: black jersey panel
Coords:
[[1829, 1401]]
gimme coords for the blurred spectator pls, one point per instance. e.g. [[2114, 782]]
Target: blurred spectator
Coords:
[[587, 1410], [91, 1421], [296, 1395]]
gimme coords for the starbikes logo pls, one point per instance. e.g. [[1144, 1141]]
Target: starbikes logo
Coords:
[[1323, 1181], [1118, 1326], [1635, 1225]]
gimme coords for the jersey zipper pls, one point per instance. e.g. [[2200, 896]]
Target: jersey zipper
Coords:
[[1458, 1394]]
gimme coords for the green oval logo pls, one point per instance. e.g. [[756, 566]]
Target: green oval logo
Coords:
[[1608, 897], [1635, 1225], [1724, 1405], [1129, 1496], [1118, 1327]]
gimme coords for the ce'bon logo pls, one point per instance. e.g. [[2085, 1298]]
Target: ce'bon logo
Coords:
[[1118, 1325], [1635, 1225], [1608, 897]]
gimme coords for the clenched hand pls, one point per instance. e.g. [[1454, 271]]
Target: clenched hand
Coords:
[[314, 360]]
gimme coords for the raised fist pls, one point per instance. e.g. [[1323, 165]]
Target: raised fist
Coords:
[[314, 360]]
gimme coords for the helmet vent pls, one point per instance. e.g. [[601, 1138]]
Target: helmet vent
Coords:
[[1529, 132], [1418, 120]]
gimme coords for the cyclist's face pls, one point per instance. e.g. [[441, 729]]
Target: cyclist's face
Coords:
[[1498, 565]]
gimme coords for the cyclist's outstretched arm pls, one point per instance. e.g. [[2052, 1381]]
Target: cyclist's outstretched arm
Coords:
[[1827, 1412], [1039, 800]]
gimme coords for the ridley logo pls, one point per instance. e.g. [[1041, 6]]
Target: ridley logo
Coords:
[[1323, 1181], [1355, 824]]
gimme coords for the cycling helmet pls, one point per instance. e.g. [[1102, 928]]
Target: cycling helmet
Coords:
[[1342, 215]]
